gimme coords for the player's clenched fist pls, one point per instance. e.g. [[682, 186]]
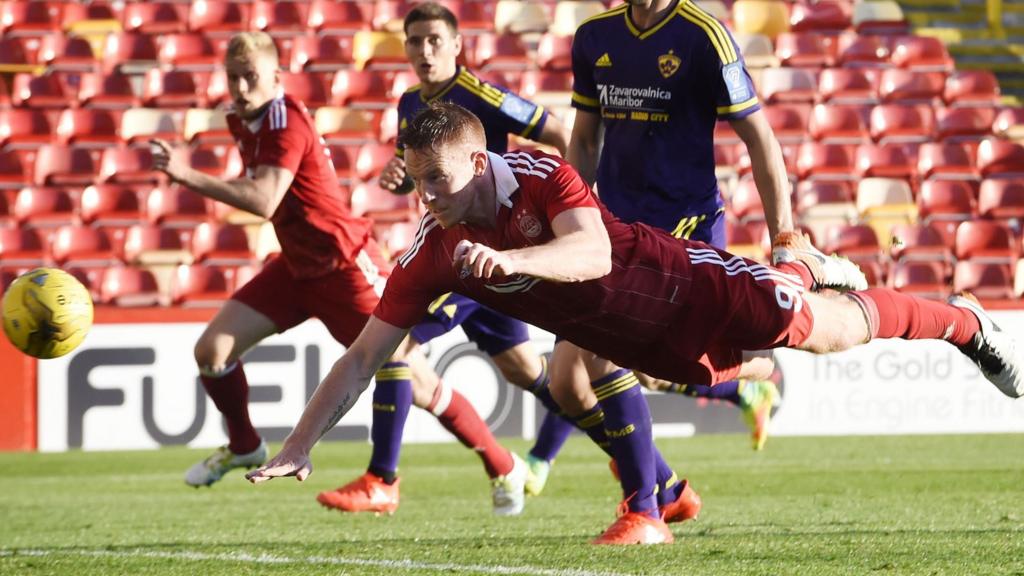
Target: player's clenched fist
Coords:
[[480, 261], [164, 160], [393, 177]]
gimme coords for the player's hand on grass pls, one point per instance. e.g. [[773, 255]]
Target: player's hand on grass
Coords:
[[480, 261], [393, 178], [165, 161], [288, 462]]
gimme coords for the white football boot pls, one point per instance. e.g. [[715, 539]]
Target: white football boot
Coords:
[[220, 462], [508, 492], [996, 353]]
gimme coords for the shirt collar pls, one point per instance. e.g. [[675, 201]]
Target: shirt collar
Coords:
[[505, 182], [255, 123]]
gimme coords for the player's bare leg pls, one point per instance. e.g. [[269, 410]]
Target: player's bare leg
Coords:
[[236, 328]]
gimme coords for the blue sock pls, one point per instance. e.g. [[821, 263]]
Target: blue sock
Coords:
[[728, 391], [392, 398], [555, 429]]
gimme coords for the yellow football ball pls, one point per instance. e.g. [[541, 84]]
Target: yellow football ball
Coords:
[[47, 313]]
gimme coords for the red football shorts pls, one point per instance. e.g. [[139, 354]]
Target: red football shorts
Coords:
[[343, 300]]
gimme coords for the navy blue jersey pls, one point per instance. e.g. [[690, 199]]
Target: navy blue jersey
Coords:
[[659, 93], [501, 111]]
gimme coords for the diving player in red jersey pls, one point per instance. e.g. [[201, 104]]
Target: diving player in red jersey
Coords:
[[523, 234], [330, 267]]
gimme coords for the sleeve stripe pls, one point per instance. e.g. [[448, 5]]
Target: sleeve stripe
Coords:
[[586, 100], [484, 95], [737, 107], [537, 114], [426, 225], [720, 31], [714, 32]]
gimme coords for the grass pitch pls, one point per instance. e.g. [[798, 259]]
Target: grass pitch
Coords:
[[868, 505]]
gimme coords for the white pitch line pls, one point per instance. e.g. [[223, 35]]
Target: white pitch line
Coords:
[[311, 560]]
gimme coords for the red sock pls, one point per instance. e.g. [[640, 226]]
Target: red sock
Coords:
[[892, 314], [798, 269], [461, 419], [230, 393]]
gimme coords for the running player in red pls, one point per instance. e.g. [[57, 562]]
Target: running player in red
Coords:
[[523, 234], [330, 268]]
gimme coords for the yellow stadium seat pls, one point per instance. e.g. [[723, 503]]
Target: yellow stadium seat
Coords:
[[883, 203], [569, 15], [757, 50], [520, 16], [199, 120], [716, 8], [379, 50], [768, 17]]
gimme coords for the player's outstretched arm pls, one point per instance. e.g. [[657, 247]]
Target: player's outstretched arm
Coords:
[[769, 168], [333, 398], [585, 145], [553, 134], [258, 195]]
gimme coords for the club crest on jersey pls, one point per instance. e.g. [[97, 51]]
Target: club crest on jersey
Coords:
[[529, 225], [668, 64]]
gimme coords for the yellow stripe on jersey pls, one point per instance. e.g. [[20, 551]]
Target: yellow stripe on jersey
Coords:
[[715, 25], [533, 121], [620, 384], [613, 12], [488, 94], [592, 420], [725, 51], [737, 107], [586, 100], [402, 373], [641, 34], [438, 303], [412, 89], [686, 226]]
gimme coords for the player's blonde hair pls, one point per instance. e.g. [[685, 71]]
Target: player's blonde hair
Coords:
[[247, 45]]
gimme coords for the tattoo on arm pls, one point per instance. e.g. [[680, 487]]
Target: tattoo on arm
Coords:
[[340, 411]]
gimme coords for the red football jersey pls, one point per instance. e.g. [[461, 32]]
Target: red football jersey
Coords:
[[665, 304], [317, 232]]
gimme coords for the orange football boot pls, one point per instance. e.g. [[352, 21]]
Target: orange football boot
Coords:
[[368, 493], [635, 528]]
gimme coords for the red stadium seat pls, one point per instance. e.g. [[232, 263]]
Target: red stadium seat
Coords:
[[206, 160], [1000, 159], [21, 247], [67, 54], [6, 206], [1009, 124], [221, 244], [153, 245], [802, 50], [63, 166], [176, 207], [78, 246], [321, 54], [879, 17], [964, 124], [901, 123], [126, 286], [919, 242], [43, 208], [25, 128], [131, 53], [155, 17], [848, 86], [500, 52], [198, 286], [944, 204], [857, 242], [1001, 199], [984, 240], [343, 156], [15, 168], [111, 91], [41, 92], [172, 89], [857, 51], [788, 121], [75, 13], [887, 161], [14, 57], [826, 161], [921, 53], [128, 166], [971, 88], [837, 125], [554, 53], [190, 52], [218, 17], [945, 160], [788, 85], [110, 205], [280, 19], [985, 280], [363, 89], [812, 193], [910, 87], [29, 18], [371, 159], [822, 16], [140, 125], [330, 17], [922, 279], [347, 125], [371, 200], [307, 88], [89, 128], [395, 238]]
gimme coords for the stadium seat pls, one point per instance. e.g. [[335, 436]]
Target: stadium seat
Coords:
[[197, 286], [858, 242], [6, 206], [569, 15], [110, 205], [67, 54], [128, 166], [29, 18], [887, 160], [41, 92], [922, 54], [21, 247], [922, 279], [547, 88], [78, 246], [363, 89], [894, 123], [984, 240], [802, 50], [554, 53], [140, 125], [964, 124], [878, 17], [190, 52], [945, 160], [153, 245], [1009, 124], [520, 17], [847, 86], [128, 286], [206, 127], [372, 50], [307, 88], [155, 18], [971, 88], [176, 207], [90, 128], [822, 16], [826, 161], [218, 17], [897, 85], [332, 18], [131, 53], [370, 160], [369, 199], [321, 54], [788, 121], [43, 207], [241, 275], [944, 204], [788, 85], [172, 89], [1002, 200], [500, 53], [280, 19], [912, 242], [25, 128], [757, 50], [343, 157], [207, 160], [857, 51], [221, 245], [110, 91], [884, 203], [347, 126], [985, 280], [16, 168], [768, 17], [62, 166], [837, 125], [14, 58], [745, 202], [395, 238], [1000, 159]]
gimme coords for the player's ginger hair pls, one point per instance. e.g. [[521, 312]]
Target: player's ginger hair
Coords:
[[245, 45], [443, 123]]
